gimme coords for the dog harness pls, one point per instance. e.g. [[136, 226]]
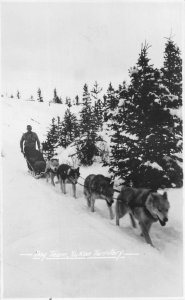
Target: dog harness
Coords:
[[50, 170], [133, 205]]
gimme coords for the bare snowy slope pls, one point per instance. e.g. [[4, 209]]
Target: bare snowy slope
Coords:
[[54, 247]]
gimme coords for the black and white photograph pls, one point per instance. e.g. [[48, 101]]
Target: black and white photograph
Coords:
[[92, 149]]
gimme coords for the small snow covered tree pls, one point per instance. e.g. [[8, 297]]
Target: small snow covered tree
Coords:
[[40, 98], [146, 140], [77, 100], [56, 99], [172, 72], [68, 102], [50, 145], [18, 95]]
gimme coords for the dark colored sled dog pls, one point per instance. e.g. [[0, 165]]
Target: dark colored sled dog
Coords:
[[99, 187], [67, 174], [144, 205]]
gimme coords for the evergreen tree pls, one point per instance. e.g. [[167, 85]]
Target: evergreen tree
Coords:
[[98, 106], [146, 140], [104, 101], [18, 95], [96, 90], [56, 99], [86, 114], [77, 100], [68, 102], [50, 145], [111, 102], [62, 135], [86, 143], [99, 114], [40, 99], [172, 72], [68, 129]]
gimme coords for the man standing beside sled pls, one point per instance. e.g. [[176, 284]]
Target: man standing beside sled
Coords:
[[29, 139], [28, 146]]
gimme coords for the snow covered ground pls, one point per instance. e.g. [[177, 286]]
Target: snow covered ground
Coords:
[[53, 246]]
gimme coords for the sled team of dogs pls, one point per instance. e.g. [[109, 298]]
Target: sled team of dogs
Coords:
[[144, 205]]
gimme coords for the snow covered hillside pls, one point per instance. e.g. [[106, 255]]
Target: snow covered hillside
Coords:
[[53, 246]]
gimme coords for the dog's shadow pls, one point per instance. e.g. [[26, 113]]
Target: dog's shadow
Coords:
[[126, 229], [160, 236], [166, 235]]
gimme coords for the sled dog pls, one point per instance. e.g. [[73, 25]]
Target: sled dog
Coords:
[[99, 187], [144, 205], [51, 169], [67, 174]]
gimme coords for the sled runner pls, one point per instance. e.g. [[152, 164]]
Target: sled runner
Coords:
[[35, 161]]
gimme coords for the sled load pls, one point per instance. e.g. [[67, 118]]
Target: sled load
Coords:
[[35, 162]]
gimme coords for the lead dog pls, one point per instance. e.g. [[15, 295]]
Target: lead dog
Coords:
[[52, 166], [99, 187], [67, 174], [144, 205]]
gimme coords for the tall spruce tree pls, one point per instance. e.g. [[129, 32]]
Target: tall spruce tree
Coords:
[[172, 72], [98, 114], [68, 129], [111, 102], [146, 140], [86, 143], [98, 105]]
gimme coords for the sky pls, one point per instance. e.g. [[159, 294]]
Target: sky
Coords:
[[64, 45]]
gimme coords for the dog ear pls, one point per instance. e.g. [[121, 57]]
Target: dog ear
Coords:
[[149, 202], [165, 195]]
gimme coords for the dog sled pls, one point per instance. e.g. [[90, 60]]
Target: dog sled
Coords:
[[35, 161]]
